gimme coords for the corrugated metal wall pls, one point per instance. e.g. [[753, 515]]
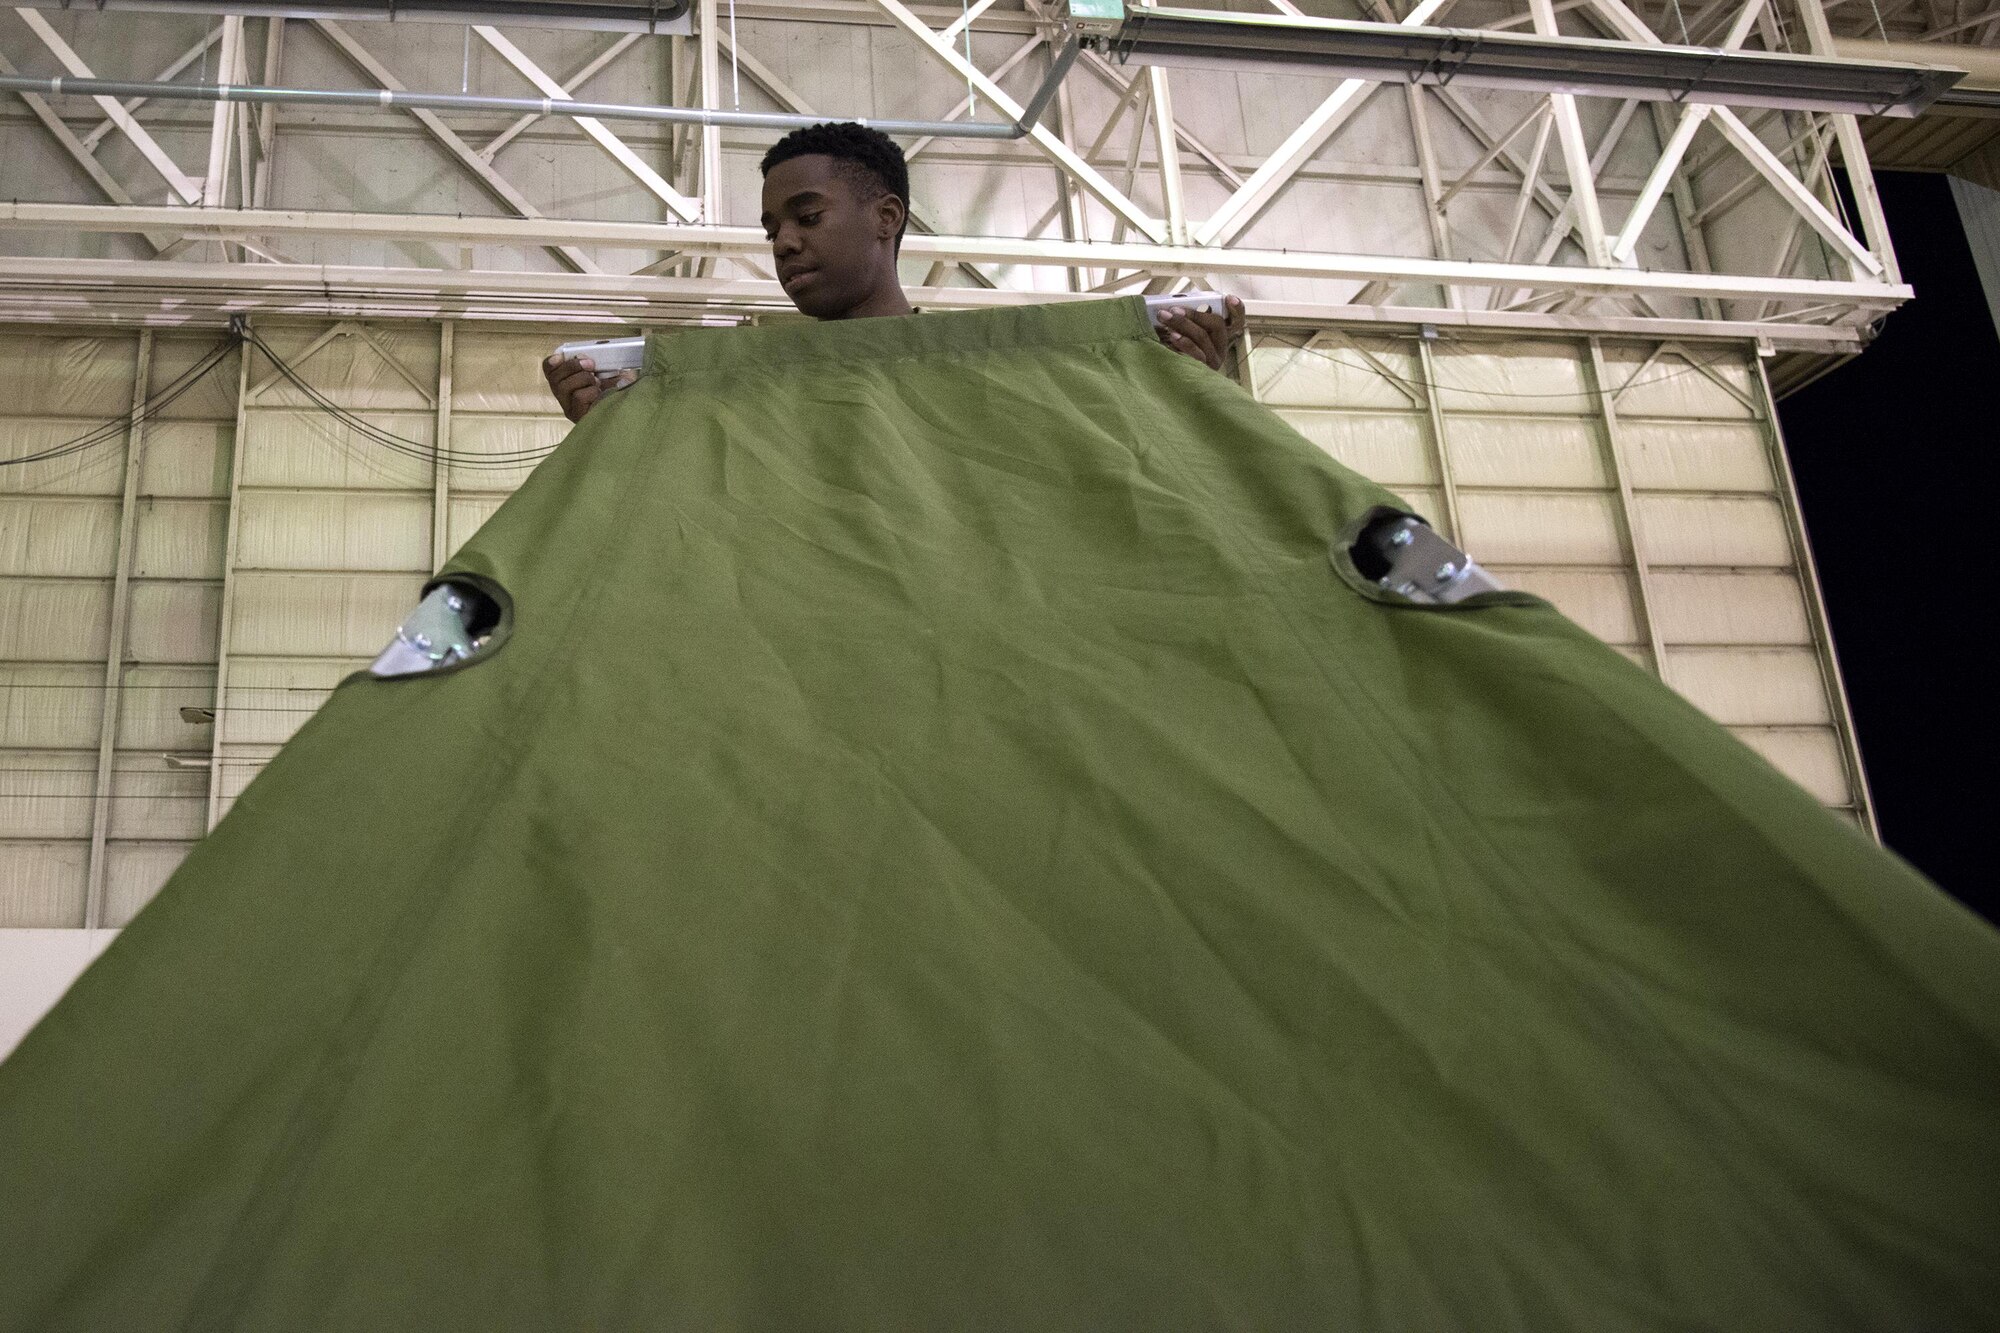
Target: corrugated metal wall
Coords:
[[270, 549], [1642, 489], [154, 502]]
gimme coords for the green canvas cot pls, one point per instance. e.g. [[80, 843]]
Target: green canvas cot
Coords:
[[943, 838]]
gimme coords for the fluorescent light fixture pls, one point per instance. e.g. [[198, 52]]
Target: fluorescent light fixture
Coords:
[[654, 16], [1393, 53]]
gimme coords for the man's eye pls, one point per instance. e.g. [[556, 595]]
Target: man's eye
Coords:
[[808, 219]]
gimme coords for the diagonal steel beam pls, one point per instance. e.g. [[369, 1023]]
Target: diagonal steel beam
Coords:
[[1463, 112], [1853, 153], [1756, 151], [1576, 154], [1565, 220], [1434, 212], [686, 209], [167, 75], [964, 20], [1531, 180], [80, 153], [469, 157], [1047, 140], [1500, 145], [1788, 249], [1108, 74], [1169, 155], [1792, 190], [597, 65], [148, 146], [1676, 147], [215, 181], [967, 104], [1255, 194]]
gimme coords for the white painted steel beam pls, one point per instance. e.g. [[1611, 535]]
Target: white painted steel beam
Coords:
[[440, 468], [1792, 190], [1168, 150], [111, 705], [222, 125], [141, 138], [1658, 181], [723, 242], [79, 152], [239, 447], [167, 75], [1242, 207], [1766, 163], [502, 188], [1662, 175], [1434, 210], [708, 26], [267, 116], [1853, 152], [1109, 75], [595, 66], [964, 21], [966, 105], [1050, 143], [176, 294], [1576, 154], [688, 210]]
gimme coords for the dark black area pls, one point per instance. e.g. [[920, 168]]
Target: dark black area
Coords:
[[1890, 453]]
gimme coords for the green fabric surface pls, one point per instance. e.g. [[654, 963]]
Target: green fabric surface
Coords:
[[941, 846]]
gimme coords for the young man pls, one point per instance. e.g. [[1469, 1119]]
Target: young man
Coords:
[[836, 203]]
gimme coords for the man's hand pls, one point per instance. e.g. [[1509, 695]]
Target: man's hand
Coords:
[[1203, 336], [577, 385]]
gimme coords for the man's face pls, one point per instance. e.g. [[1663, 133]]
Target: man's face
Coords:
[[828, 241]]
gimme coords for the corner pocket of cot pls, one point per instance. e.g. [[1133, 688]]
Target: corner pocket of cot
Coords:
[[1370, 573], [462, 620]]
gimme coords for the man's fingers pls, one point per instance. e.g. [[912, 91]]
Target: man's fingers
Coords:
[[1217, 329], [1193, 338], [571, 384]]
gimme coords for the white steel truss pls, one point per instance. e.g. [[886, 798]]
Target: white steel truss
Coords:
[[1140, 197]]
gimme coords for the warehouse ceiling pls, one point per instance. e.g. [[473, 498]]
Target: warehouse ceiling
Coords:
[[445, 162]]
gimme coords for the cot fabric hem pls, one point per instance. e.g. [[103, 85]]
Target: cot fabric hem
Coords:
[[690, 353]]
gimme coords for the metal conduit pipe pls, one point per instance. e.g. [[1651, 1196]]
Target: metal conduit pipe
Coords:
[[64, 86], [650, 16]]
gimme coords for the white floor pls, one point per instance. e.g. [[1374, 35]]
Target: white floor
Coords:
[[36, 967]]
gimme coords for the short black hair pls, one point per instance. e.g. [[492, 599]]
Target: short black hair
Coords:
[[870, 158]]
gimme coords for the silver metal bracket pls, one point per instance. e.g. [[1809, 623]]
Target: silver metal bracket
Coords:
[[434, 635], [1423, 566]]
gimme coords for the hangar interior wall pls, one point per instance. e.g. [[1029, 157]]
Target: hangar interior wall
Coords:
[[241, 549]]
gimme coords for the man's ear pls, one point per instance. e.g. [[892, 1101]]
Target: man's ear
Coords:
[[890, 214]]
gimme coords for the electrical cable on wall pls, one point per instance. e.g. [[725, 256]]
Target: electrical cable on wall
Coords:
[[389, 440], [117, 427]]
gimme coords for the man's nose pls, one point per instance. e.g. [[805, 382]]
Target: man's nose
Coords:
[[786, 242]]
